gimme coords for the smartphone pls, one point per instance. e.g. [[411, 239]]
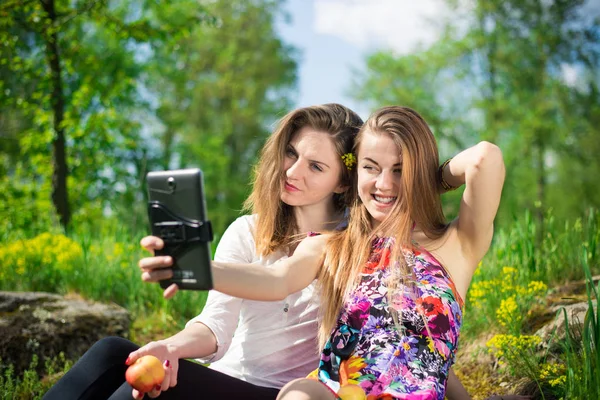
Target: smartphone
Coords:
[[177, 214]]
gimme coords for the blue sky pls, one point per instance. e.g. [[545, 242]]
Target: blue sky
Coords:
[[334, 37], [325, 63]]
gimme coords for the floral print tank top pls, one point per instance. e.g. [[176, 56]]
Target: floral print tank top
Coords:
[[408, 359]]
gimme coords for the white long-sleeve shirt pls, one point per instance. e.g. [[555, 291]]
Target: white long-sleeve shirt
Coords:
[[264, 343]]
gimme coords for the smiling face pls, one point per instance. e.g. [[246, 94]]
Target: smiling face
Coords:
[[312, 170], [379, 174]]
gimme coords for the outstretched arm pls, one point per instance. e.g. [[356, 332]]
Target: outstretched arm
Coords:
[[270, 284], [250, 281]]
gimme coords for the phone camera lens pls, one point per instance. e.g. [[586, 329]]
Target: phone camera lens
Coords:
[[171, 184]]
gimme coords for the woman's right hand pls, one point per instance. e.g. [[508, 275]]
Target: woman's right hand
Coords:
[[157, 268]]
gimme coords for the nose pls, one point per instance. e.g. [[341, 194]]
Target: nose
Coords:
[[385, 181], [294, 172]]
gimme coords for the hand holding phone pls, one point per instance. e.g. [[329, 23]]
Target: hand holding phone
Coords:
[[177, 214]]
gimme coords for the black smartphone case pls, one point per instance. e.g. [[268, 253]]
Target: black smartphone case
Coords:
[[177, 214]]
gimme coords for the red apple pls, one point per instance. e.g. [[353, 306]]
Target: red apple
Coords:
[[351, 392], [145, 373]]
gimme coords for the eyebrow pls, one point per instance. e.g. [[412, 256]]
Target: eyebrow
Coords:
[[313, 161], [376, 163]]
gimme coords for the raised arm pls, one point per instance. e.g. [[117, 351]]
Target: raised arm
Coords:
[[481, 169], [271, 284]]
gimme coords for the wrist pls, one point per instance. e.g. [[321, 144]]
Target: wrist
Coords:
[[170, 347], [446, 186]]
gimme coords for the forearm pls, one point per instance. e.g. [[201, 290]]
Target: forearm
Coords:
[[195, 341], [466, 164], [255, 282], [250, 281]]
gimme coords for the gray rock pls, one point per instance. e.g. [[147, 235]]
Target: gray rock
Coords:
[[46, 324], [555, 332]]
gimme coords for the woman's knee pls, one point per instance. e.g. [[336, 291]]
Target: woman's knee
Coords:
[[305, 389]]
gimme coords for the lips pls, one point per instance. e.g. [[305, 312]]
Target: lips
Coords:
[[291, 188]]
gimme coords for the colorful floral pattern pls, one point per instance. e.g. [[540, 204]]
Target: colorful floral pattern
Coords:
[[410, 360]]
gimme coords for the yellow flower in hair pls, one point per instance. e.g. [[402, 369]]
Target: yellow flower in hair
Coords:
[[349, 160]]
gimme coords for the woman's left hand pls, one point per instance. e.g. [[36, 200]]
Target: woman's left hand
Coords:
[[170, 362]]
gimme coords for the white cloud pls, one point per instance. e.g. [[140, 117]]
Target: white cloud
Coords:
[[569, 74], [401, 25]]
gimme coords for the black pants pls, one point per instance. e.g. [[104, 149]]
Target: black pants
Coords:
[[100, 374]]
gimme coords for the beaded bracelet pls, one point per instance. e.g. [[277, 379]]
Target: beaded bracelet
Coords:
[[447, 187]]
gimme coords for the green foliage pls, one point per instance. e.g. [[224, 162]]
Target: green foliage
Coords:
[[512, 283], [30, 385], [514, 275], [582, 348], [138, 85], [572, 373], [517, 245]]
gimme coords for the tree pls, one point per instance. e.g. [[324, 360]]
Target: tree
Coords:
[[525, 45], [71, 69]]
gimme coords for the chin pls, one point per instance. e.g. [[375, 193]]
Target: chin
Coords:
[[289, 200], [377, 217]]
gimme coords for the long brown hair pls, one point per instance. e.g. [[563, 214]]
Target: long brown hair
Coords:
[[419, 202], [276, 224]]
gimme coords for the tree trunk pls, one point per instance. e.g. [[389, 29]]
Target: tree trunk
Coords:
[[59, 176], [168, 140]]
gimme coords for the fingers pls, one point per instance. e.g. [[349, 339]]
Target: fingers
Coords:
[[156, 269], [154, 393], [157, 276], [170, 376], [137, 395], [173, 368], [152, 243], [134, 355], [170, 291], [158, 262], [169, 380]]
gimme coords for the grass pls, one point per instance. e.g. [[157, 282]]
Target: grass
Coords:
[[582, 347], [30, 385]]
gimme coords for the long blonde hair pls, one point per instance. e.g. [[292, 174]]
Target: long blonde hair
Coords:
[[276, 225], [419, 202]]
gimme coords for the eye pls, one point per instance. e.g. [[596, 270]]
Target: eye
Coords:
[[369, 168], [290, 152], [398, 170], [316, 167]]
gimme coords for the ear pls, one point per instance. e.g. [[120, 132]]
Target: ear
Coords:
[[341, 189]]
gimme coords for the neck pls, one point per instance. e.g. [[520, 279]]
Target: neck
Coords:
[[316, 218]]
